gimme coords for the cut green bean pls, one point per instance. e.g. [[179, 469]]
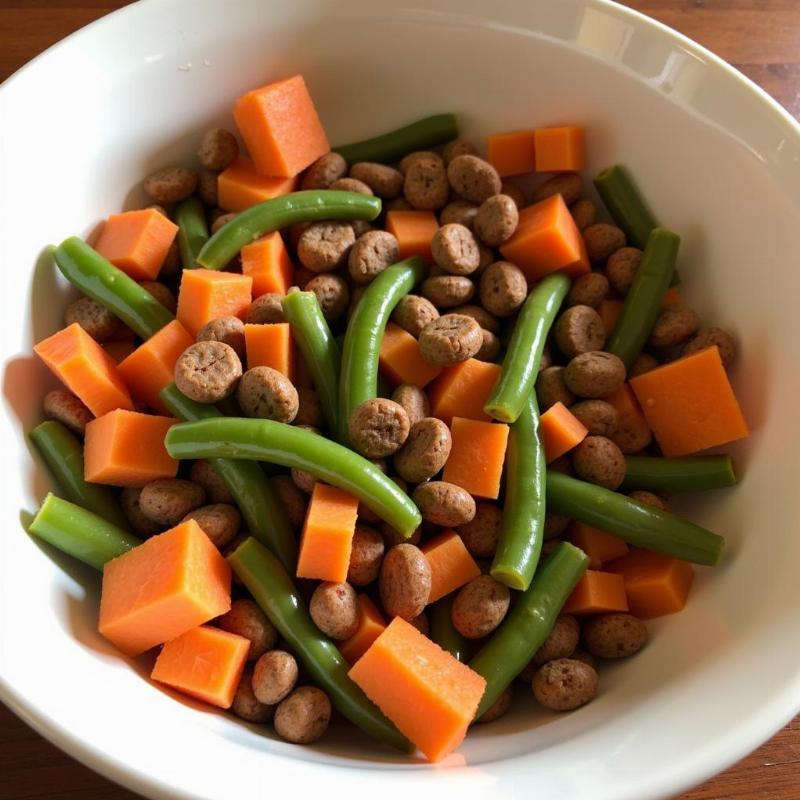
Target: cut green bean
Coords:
[[675, 475], [626, 206], [80, 533], [522, 533], [258, 501], [190, 217], [318, 348], [643, 301], [634, 522], [111, 287], [528, 623], [63, 454], [443, 632], [280, 212], [289, 446], [362, 342], [524, 354], [420, 135]]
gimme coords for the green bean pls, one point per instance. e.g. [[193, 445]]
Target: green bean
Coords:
[[362, 342], [260, 505], [272, 215], [320, 351], [190, 217], [80, 533], [111, 287], [643, 301], [63, 454], [521, 536], [634, 522], [442, 630], [289, 446], [274, 591], [420, 135], [673, 475], [625, 204], [521, 361], [528, 623]]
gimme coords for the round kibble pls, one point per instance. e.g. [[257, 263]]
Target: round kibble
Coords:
[[425, 184], [496, 220], [473, 178], [503, 288], [455, 250], [324, 172], [324, 246], [360, 227], [303, 480], [207, 187], [560, 642], [168, 500], [649, 499], [228, 330], [170, 185], [333, 295], [246, 705], [303, 716], [444, 503], [621, 268], [551, 388], [309, 408], [246, 619], [351, 185], [218, 149], [584, 212], [459, 212], [266, 393], [487, 257], [398, 204], [588, 290], [597, 416], [140, 523], [162, 293], [414, 401], [644, 363], [490, 347], [598, 460], [413, 313], [479, 607], [385, 181], [94, 318], [450, 339], [568, 184], [632, 434], [447, 291], [366, 555], [564, 684], [554, 524], [674, 326], [614, 635], [203, 474], [602, 240], [515, 193], [334, 609], [220, 222], [578, 330], [486, 320], [499, 707], [708, 337], [594, 374], [458, 147], [208, 372], [409, 159], [293, 500], [265, 310], [425, 451], [274, 675], [66, 408], [421, 623], [482, 532], [219, 521], [404, 581], [378, 427], [371, 254]]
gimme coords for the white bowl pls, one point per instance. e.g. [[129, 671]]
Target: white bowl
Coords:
[[719, 161]]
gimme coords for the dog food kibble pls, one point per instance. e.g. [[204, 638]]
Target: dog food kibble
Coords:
[[564, 684], [614, 635], [425, 184], [265, 310], [444, 503], [551, 388], [459, 212], [220, 222], [404, 581], [425, 451], [371, 254], [217, 491], [207, 187], [94, 318], [594, 374], [170, 185], [631, 436], [413, 313], [168, 500], [334, 609], [268, 394], [602, 240], [309, 408], [473, 178], [324, 172], [598, 460], [621, 268], [324, 246], [649, 499], [162, 293], [486, 320], [140, 523], [378, 427], [66, 408], [568, 184], [366, 555], [293, 500], [218, 149], [303, 480], [219, 521], [409, 159], [208, 372], [455, 250], [503, 288], [588, 290], [674, 326], [560, 642], [274, 675], [228, 330], [246, 705], [515, 193], [490, 347], [385, 181], [499, 707], [414, 401], [496, 220], [708, 337], [554, 524], [447, 291], [450, 339], [246, 619], [303, 716], [458, 147], [578, 330], [351, 185], [482, 532], [360, 227], [584, 212], [644, 363], [332, 294], [480, 606], [597, 416]]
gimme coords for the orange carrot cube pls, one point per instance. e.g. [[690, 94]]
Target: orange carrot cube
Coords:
[[477, 456], [401, 361], [463, 390], [267, 262], [511, 153], [270, 345], [451, 564], [414, 231], [371, 625], [205, 295], [633, 433], [240, 186], [610, 311], [560, 431], [559, 149], [597, 593], [601, 547]]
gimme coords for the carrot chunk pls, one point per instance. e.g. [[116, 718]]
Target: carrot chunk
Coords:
[[401, 361], [270, 345], [600, 546], [240, 186], [560, 430], [597, 593], [414, 231], [451, 564], [610, 311], [463, 390], [672, 298], [163, 588], [511, 153], [205, 295], [370, 626], [630, 417], [477, 456], [267, 262], [559, 149]]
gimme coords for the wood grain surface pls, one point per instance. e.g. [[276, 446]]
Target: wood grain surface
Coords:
[[759, 37]]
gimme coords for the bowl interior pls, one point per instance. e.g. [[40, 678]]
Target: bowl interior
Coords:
[[717, 162]]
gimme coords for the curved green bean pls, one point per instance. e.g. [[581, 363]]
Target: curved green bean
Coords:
[[84, 267], [528, 623], [643, 301], [190, 217], [521, 361], [80, 533], [289, 446], [420, 135], [522, 533], [273, 590], [674, 475], [362, 341], [443, 632], [319, 349], [634, 522], [279, 212], [625, 204]]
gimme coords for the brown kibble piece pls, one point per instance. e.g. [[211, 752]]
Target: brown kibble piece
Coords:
[[293, 500], [594, 374], [309, 408], [649, 499], [578, 330], [303, 480], [274, 676], [218, 149], [66, 408], [205, 475], [480, 606], [404, 582], [425, 451], [219, 521], [551, 388], [267, 394], [503, 288], [490, 347], [413, 313], [614, 635], [602, 240], [515, 193], [140, 523], [371, 254], [499, 707], [170, 185], [366, 555], [560, 642], [588, 290], [303, 716], [455, 250], [444, 503], [207, 372], [564, 684], [459, 212], [644, 363], [324, 172], [631, 435], [246, 705], [568, 184], [674, 326], [482, 532], [265, 310], [458, 147], [168, 500], [486, 320], [399, 204], [207, 187], [584, 212], [334, 609], [414, 401], [598, 460], [332, 294], [621, 268], [450, 339], [708, 337], [94, 318], [496, 220], [221, 222], [554, 524], [246, 619], [385, 181], [425, 184], [597, 416], [351, 185], [228, 330], [378, 427], [162, 293], [324, 246], [473, 178], [446, 291]]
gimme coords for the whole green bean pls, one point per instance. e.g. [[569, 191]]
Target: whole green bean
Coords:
[[626, 206], [521, 361], [258, 501], [190, 217], [420, 135], [319, 349], [80, 533], [111, 287], [289, 446], [522, 533], [528, 623], [674, 475], [643, 301], [272, 215], [442, 630], [63, 454], [362, 341], [634, 522]]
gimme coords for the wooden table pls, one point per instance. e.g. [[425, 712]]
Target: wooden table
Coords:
[[760, 37]]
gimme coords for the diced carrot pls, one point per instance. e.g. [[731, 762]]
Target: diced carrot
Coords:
[[511, 153], [126, 448], [560, 431], [270, 345], [240, 186], [137, 242], [206, 294], [429, 695], [463, 389], [597, 593], [610, 311], [559, 149], [327, 537], [582, 266], [370, 626], [414, 231], [477, 456], [267, 262], [163, 588], [151, 366], [600, 546], [629, 415], [672, 298], [401, 360], [546, 239], [690, 404], [451, 564], [205, 663], [87, 370]]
